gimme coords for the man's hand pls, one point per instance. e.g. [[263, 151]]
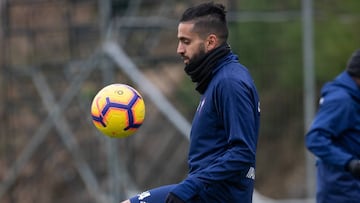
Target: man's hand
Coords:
[[171, 198], [354, 168]]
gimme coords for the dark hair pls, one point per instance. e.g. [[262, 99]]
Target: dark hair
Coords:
[[353, 65], [209, 18]]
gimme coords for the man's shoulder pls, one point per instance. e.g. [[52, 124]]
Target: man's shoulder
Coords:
[[335, 92], [232, 69]]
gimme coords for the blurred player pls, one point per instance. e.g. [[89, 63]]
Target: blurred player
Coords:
[[334, 137]]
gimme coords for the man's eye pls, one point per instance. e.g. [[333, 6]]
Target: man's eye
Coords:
[[186, 41]]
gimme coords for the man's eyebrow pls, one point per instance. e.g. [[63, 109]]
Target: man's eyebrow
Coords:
[[183, 38]]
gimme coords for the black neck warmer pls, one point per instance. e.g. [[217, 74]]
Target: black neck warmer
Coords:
[[200, 71]]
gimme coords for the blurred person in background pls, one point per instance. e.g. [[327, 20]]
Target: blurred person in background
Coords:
[[225, 127], [334, 137]]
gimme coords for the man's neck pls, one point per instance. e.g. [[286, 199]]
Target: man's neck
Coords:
[[357, 80]]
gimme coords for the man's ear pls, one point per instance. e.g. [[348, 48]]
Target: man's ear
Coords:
[[211, 42]]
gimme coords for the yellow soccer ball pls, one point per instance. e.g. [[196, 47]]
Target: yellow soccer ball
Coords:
[[118, 110]]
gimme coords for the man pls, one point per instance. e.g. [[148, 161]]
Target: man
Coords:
[[225, 127], [334, 137]]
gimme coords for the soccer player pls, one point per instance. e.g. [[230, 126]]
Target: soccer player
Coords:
[[225, 127], [334, 137]]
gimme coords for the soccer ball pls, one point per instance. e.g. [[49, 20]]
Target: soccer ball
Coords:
[[118, 110]]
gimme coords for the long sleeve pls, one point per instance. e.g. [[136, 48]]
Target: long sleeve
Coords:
[[324, 137], [230, 143]]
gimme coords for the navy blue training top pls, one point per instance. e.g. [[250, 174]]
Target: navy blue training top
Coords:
[[225, 128], [334, 138]]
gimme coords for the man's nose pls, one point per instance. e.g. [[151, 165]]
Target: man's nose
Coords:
[[180, 49]]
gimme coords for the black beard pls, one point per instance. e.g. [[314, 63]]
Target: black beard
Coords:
[[196, 59], [201, 66]]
